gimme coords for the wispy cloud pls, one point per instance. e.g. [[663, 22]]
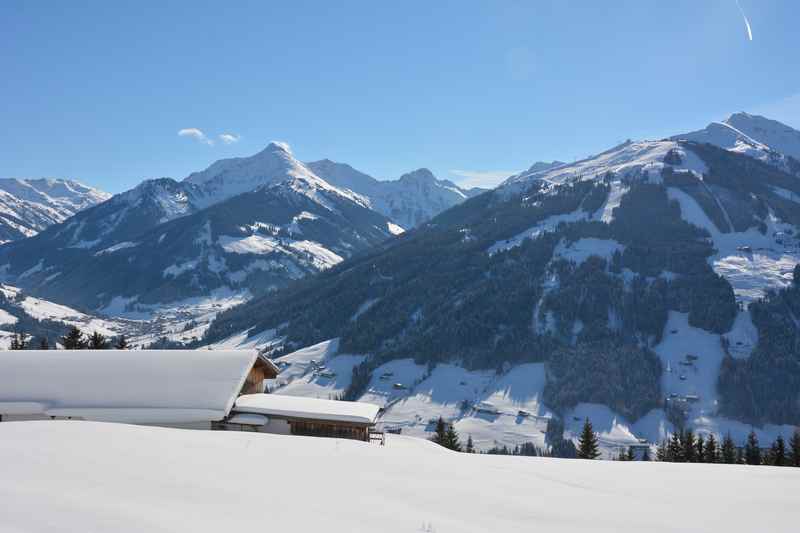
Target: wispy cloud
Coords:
[[229, 138], [482, 178], [746, 21], [196, 134]]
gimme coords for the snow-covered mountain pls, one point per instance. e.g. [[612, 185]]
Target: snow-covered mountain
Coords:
[[166, 241], [27, 206], [410, 200], [645, 287], [753, 135]]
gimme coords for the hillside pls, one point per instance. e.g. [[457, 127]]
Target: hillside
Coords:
[[594, 268], [68, 476], [28, 206]]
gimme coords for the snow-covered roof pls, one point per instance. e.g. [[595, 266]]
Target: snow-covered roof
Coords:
[[309, 408], [135, 386]]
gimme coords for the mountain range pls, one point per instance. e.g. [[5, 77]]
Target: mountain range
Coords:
[[27, 206], [652, 285], [245, 224], [647, 287]]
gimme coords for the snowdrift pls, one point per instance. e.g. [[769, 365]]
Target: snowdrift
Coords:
[[89, 476]]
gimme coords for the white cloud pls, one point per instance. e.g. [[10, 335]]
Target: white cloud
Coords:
[[196, 134], [229, 138], [482, 178]]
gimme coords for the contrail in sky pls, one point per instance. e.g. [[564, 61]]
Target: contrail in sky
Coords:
[[746, 22]]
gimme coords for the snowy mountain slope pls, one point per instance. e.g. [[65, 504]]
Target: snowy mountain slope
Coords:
[[755, 136], [228, 177], [166, 241], [409, 201], [507, 408], [20, 312], [580, 268], [772, 133], [68, 473], [249, 243], [27, 206]]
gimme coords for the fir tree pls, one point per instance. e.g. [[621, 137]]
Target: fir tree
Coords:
[[777, 454], [794, 445], [19, 342], [646, 454], [587, 445], [688, 445], [451, 439], [470, 446], [73, 340], [752, 452], [661, 451], [97, 341], [630, 456], [674, 449], [710, 454], [440, 436], [122, 343], [728, 450], [700, 449]]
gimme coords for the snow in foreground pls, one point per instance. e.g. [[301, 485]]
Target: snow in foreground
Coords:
[[85, 476]]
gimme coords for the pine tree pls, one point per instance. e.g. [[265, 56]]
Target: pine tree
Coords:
[[97, 341], [122, 343], [73, 340], [728, 450], [700, 449], [646, 454], [661, 451], [710, 454], [470, 446], [451, 439], [674, 449], [688, 446], [441, 432], [794, 444], [631, 456], [44, 344], [587, 445], [19, 341], [752, 452], [778, 452]]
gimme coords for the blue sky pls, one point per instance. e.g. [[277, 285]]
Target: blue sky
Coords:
[[98, 91]]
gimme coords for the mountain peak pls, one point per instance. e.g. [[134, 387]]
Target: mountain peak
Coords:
[[277, 147], [421, 175]]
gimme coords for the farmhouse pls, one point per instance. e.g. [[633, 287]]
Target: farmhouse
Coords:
[[193, 389]]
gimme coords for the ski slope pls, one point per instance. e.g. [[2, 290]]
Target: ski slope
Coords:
[[67, 476]]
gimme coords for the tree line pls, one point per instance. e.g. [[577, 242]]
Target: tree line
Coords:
[[681, 447], [74, 339]]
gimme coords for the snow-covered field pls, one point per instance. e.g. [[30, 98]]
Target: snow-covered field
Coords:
[[85, 476]]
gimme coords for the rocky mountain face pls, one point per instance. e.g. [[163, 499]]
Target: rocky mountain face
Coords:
[[409, 201], [165, 240], [27, 206], [654, 280]]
